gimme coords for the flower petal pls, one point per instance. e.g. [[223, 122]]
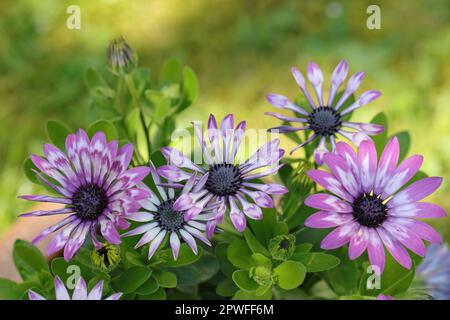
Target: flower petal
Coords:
[[343, 172], [328, 202], [387, 164], [173, 173], [281, 102], [330, 183], [154, 245], [405, 171], [96, 292], [375, 250], [327, 219], [302, 84], [395, 248], [421, 210], [339, 236], [339, 75], [367, 160], [60, 290], [315, 76], [358, 243], [415, 191], [405, 235], [80, 291], [174, 244]]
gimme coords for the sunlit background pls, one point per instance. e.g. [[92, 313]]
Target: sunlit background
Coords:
[[240, 50]]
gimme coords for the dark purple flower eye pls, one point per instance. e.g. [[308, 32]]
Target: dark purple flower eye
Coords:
[[325, 119], [96, 187]]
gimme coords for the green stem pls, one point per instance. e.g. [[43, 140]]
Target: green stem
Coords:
[[135, 96]]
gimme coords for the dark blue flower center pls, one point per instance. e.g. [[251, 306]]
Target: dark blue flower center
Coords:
[[168, 218], [369, 210], [224, 179], [89, 201], [324, 121]]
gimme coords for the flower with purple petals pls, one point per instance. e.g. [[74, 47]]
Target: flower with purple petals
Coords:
[[324, 119], [161, 219], [367, 208], [434, 272], [79, 293], [96, 188], [223, 181]]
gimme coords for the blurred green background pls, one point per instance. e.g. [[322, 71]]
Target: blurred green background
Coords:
[[240, 50]]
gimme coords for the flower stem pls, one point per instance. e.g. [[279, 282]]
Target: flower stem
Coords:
[[135, 96]]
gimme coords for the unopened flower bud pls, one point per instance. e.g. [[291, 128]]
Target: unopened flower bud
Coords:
[[261, 275], [107, 257], [121, 58], [282, 247]]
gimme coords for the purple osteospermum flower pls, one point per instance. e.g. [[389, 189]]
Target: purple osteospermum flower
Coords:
[[325, 119], [226, 183], [367, 209], [161, 219], [96, 187], [79, 293], [434, 271]]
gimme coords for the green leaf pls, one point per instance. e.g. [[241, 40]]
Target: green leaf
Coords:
[[93, 79], [57, 133], [190, 88], [28, 166], [165, 279], [160, 103], [261, 260], [281, 228], [285, 173], [264, 290], [66, 270], [200, 271], [316, 261], [226, 288], [106, 127], [290, 274], [240, 254], [9, 290], [404, 140], [303, 248], [159, 294], [131, 279], [170, 72], [185, 256], [247, 295], [221, 254], [380, 139], [254, 244], [344, 279], [148, 287], [394, 280], [242, 279], [263, 229], [28, 259]]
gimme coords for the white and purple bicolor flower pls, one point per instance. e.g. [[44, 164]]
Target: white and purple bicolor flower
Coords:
[[161, 220], [95, 186], [324, 118], [434, 272], [367, 208], [79, 293], [222, 180]]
